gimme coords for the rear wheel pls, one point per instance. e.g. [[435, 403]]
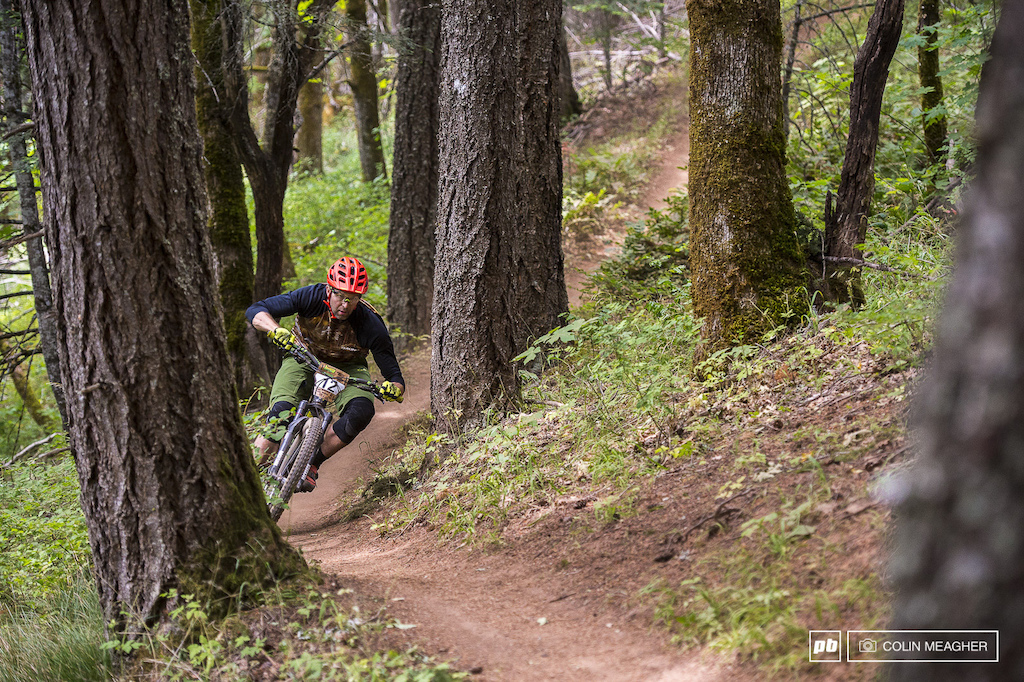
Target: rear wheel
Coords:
[[306, 446]]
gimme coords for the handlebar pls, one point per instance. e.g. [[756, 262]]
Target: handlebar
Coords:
[[306, 357]]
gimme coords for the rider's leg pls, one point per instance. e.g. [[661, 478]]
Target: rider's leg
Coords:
[[293, 383], [356, 414], [277, 419], [355, 417]]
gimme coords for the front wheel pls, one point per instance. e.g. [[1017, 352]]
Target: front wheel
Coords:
[[307, 446]]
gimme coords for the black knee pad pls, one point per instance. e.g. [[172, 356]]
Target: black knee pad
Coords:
[[355, 418], [278, 417]]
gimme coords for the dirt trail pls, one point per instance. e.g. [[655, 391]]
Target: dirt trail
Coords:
[[506, 615]]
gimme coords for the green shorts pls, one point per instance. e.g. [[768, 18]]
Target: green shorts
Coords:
[[294, 383]]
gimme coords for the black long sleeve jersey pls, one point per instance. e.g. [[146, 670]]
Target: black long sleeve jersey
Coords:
[[332, 340]]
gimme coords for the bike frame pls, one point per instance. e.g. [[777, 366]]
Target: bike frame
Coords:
[[313, 409], [313, 412]]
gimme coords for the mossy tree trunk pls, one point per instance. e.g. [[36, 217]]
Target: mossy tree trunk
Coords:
[[499, 280], [928, 71], [846, 226], [212, 20], [168, 487], [363, 81], [309, 138], [747, 272], [11, 51], [414, 175], [20, 377], [958, 559]]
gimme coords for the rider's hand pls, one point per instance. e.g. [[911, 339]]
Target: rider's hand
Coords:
[[282, 337], [392, 392]]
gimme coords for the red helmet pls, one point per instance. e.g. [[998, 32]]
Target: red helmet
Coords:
[[348, 274]]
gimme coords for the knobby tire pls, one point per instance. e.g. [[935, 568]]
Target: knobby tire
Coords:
[[310, 442]]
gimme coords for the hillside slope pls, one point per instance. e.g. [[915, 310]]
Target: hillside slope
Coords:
[[760, 523]]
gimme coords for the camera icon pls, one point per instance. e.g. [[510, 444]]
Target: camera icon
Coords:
[[867, 646]]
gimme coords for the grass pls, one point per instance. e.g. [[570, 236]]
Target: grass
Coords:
[[62, 641]]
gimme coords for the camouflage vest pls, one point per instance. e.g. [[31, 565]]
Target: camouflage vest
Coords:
[[332, 341]]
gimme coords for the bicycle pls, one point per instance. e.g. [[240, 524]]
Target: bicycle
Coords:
[[307, 428]]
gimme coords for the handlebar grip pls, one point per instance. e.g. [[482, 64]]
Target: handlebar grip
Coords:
[[370, 386]]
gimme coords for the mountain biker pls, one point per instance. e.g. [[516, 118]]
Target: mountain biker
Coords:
[[340, 329]]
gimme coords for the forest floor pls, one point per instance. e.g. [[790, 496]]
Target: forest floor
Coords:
[[558, 599]]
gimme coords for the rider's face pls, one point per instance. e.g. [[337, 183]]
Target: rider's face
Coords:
[[342, 303]]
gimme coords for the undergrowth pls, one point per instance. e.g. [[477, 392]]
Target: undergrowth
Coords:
[[303, 633]]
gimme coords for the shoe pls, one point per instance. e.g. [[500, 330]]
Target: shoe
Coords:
[[308, 484]]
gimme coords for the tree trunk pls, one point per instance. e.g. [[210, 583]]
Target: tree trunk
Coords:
[[42, 295], [746, 261], [499, 281], [847, 226], [229, 217], [168, 487], [363, 82], [662, 52], [267, 166], [19, 374], [928, 72], [787, 75], [606, 26], [570, 98], [414, 181], [958, 558], [309, 139]]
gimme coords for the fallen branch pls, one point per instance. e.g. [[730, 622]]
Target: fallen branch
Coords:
[[564, 596], [52, 453], [719, 512], [23, 128], [846, 260], [29, 448], [18, 240]]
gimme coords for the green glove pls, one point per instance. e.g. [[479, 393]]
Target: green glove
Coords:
[[282, 337], [392, 392]]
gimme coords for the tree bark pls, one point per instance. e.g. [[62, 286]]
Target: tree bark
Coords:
[[414, 172], [746, 261], [499, 280], [846, 227], [958, 559], [928, 72], [42, 294], [168, 487], [363, 81], [229, 216]]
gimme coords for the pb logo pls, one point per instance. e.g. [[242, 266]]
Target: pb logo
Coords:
[[824, 646]]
